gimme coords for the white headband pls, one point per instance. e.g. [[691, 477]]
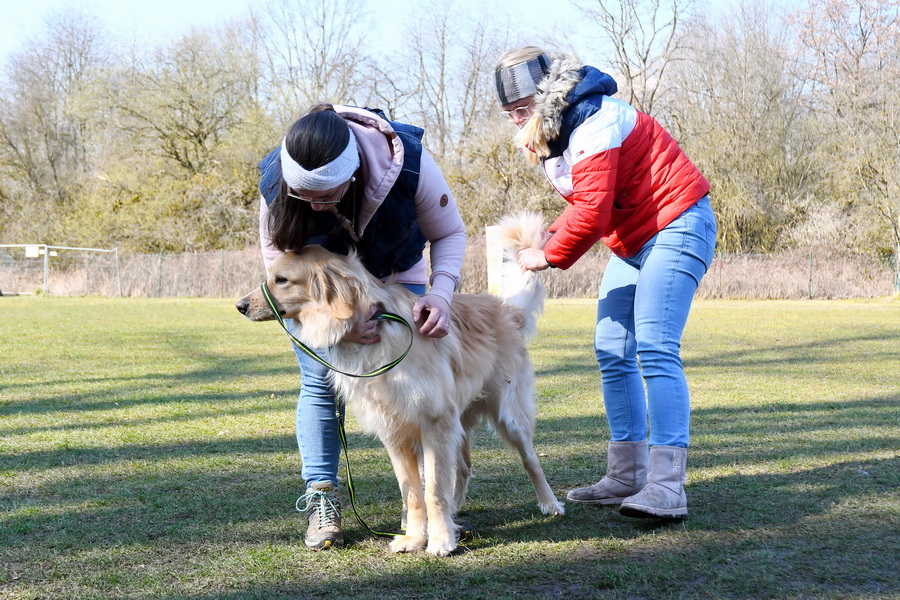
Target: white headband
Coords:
[[322, 178]]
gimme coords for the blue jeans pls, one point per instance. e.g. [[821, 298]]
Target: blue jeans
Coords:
[[317, 422], [641, 314]]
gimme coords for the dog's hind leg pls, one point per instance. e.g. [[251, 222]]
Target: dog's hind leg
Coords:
[[404, 458], [523, 442], [515, 424]]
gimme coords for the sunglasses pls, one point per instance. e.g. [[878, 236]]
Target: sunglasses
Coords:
[[522, 112], [333, 198]]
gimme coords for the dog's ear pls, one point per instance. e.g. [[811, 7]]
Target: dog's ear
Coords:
[[339, 288]]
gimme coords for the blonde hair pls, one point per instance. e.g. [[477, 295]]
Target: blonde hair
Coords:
[[532, 140], [517, 55]]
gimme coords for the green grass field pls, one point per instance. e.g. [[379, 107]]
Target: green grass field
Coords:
[[147, 451]]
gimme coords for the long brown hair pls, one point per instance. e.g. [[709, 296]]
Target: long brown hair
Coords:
[[313, 140]]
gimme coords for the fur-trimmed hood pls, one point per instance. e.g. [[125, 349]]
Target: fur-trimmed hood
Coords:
[[569, 85]]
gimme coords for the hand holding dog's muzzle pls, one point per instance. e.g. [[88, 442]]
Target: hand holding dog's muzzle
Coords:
[[365, 331]]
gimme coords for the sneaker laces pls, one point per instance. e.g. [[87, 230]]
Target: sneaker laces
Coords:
[[326, 511]]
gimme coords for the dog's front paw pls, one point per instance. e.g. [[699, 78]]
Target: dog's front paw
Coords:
[[441, 545], [556, 508], [407, 543]]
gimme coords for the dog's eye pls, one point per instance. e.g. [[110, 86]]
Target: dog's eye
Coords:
[[279, 280]]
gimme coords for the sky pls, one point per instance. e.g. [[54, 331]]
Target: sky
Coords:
[[147, 19], [155, 21]]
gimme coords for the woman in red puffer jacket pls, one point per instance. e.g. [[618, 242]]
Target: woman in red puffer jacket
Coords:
[[626, 182]]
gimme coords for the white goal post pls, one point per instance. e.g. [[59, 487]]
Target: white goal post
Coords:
[[22, 266]]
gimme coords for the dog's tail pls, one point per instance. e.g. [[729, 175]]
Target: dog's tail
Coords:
[[522, 289]]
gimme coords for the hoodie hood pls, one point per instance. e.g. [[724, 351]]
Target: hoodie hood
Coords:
[[593, 82]]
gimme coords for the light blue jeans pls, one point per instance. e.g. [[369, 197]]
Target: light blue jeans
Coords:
[[641, 314], [317, 422]]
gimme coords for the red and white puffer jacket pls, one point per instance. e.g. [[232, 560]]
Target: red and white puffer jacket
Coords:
[[623, 175]]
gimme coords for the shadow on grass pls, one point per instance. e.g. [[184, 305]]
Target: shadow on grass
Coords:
[[134, 389], [86, 497], [615, 557], [213, 405], [707, 555], [716, 569], [239, 493], [136, 497], [774, 427], [823, 351], [575, 356], [86, 456], [760, 501]]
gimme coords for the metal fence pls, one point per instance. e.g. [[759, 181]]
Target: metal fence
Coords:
[[31, 267], [231, 274]]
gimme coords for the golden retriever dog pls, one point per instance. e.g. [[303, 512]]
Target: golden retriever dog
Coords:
[[425, 409]]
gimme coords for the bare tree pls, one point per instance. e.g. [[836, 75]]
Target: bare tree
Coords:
[[851, 52], [738, 115], [312, 51], [433, 77], [186, 132], [491, 179], [646, 36], [184, 103], [47, 118], [448, 69]]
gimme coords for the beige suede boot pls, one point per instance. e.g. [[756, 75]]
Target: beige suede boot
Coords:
[[626, 474], [663, 496]]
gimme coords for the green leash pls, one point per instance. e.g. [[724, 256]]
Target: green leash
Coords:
[[351, 489], [339, 412], [379, 316]]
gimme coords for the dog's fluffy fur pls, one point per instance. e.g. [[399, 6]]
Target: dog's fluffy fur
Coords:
[[425, 409]]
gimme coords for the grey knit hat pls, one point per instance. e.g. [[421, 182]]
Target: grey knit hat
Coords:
[[520, 80]]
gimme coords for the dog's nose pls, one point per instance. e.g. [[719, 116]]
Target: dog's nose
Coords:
[[242, 306]]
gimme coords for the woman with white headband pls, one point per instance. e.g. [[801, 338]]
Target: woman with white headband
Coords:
[[346, 177], [628, 183]]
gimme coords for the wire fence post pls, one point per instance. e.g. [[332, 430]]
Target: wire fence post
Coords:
[[159, 278], [719, 266], [118, 274], [46, 269], [897, 268], [810, 274]]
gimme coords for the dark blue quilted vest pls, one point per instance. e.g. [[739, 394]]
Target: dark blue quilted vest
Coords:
[[392, 241]]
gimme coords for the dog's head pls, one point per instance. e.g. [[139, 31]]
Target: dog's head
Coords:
[[324, 291]]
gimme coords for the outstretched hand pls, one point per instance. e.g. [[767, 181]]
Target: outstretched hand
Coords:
[[432, 315]]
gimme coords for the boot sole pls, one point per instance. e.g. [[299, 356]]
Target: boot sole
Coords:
[[648, 512], [326, 544], [599, 502]]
